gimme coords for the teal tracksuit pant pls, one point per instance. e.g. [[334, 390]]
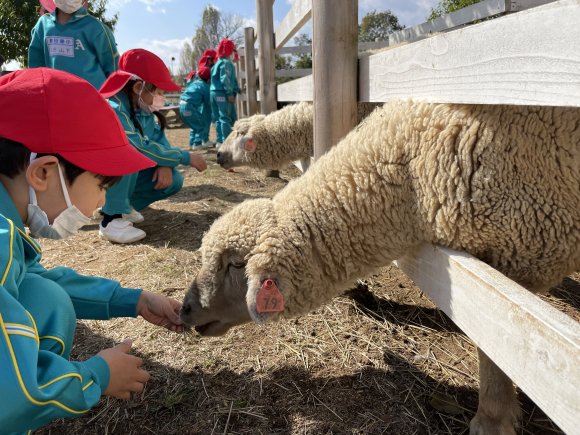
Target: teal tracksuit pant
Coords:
[[195, 120], [137, 190], [225, 114]]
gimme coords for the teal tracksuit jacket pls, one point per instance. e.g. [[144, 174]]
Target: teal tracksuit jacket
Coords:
[[224, 84], [84, 47], [137, 190], [38, 312], [195, 110]]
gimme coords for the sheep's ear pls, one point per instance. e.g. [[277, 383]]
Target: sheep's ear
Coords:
[[248, 144], [264, 299]]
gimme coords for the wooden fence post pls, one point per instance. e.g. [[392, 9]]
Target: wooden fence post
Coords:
[[250, 61], [266, 52], [266, 61], [242, 84], [334, 54]]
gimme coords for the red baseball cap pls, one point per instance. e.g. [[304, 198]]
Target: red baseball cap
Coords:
[[191, 74], [141, 65], [204, 73], [203, 61], [210, 53], [225, 48], [52, 111]]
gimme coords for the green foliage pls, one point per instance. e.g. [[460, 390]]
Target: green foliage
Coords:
[[378, 25], [283, 62], [447, 6], [304, 61], [18, 18]]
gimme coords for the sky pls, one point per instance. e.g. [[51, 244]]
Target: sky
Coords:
[[162, 26]]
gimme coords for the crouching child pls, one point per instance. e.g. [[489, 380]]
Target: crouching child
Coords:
[[58, 155]]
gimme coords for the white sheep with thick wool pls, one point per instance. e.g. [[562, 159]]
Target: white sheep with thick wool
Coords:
[[276, 140], [499, 182]]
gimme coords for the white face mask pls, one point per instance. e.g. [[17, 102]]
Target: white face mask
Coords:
[[65, 225], [68, 6], [158, 101]]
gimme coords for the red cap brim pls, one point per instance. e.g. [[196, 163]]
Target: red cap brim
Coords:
[[127, 160], [168, 86], [115, 83]]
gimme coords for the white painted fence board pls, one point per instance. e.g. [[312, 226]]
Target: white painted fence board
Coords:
[[297, 90], [516, 59], [293, 72], [297, 16], [536, 345]]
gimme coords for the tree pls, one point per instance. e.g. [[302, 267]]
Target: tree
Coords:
[[304, 61], [185, 66], [283, 62], [214, 27], [18, 18], [378, 25], [447, 6]]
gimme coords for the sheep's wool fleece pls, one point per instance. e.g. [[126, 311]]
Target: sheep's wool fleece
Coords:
[[283, 136], [500, 182]]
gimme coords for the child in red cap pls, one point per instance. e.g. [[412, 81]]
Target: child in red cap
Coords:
[[224, 88], [69, 39], [58, 155], [195, 109], [136, 92]]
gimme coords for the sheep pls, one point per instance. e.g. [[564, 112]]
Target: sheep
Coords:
[[276, 140], [500, 182]]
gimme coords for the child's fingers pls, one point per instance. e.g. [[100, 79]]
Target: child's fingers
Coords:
[[154, 175], [142, 376], [137, 387]]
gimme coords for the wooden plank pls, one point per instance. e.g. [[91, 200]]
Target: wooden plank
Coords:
[[250, 73], [266, 62], [536, 345], [481, 65], [335, 71], [299, 49], [297, 90], [297, 16], [293, 72]]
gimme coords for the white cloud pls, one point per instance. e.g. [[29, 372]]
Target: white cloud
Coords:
[[117, 4], [165, 49], [290, 2], [11, 66], [249, 22]]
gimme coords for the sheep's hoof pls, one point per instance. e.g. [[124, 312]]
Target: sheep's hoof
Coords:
[[273, 173], [482, 424]]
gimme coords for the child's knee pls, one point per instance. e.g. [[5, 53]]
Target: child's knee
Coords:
[[52, 310]]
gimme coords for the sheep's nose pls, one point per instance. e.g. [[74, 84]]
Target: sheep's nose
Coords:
[[185, 310], [219, 154]]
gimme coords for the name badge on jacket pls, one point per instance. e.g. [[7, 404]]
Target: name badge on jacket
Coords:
[[220, 99], [61, 46]]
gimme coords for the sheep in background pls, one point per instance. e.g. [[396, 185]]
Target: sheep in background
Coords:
[[500, 182], [276, 140]]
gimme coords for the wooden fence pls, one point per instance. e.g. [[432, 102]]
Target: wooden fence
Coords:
[[529, 56]]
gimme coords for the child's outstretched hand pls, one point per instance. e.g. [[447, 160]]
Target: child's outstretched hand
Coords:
[[197, 162], [126, 372], [160, 310]]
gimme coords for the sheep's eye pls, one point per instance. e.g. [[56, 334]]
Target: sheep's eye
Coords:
[[237, 265]]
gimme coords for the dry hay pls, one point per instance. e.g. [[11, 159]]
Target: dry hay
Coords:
[[367, 363]]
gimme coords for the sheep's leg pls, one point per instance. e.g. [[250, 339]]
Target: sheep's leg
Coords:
[[498, 410]]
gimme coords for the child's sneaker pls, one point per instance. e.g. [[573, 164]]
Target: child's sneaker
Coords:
[[218, 144], [199, 147], [190, 147], [121, 231], [134, 217], [208, 144]]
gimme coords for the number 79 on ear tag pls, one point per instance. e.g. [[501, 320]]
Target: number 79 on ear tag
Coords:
[[269, 298]]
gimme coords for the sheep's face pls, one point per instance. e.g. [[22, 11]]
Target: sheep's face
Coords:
[[236, 149], [235, 263]]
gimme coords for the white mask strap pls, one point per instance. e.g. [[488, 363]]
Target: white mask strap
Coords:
[[32, 193], [64, 188]]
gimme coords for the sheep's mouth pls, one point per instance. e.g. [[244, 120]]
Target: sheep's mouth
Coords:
[[202, 328]]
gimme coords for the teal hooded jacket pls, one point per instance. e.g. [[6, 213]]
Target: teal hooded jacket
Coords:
[[38, 386], [84, 47]]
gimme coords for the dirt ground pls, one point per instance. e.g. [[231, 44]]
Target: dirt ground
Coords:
[[380, 360]]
